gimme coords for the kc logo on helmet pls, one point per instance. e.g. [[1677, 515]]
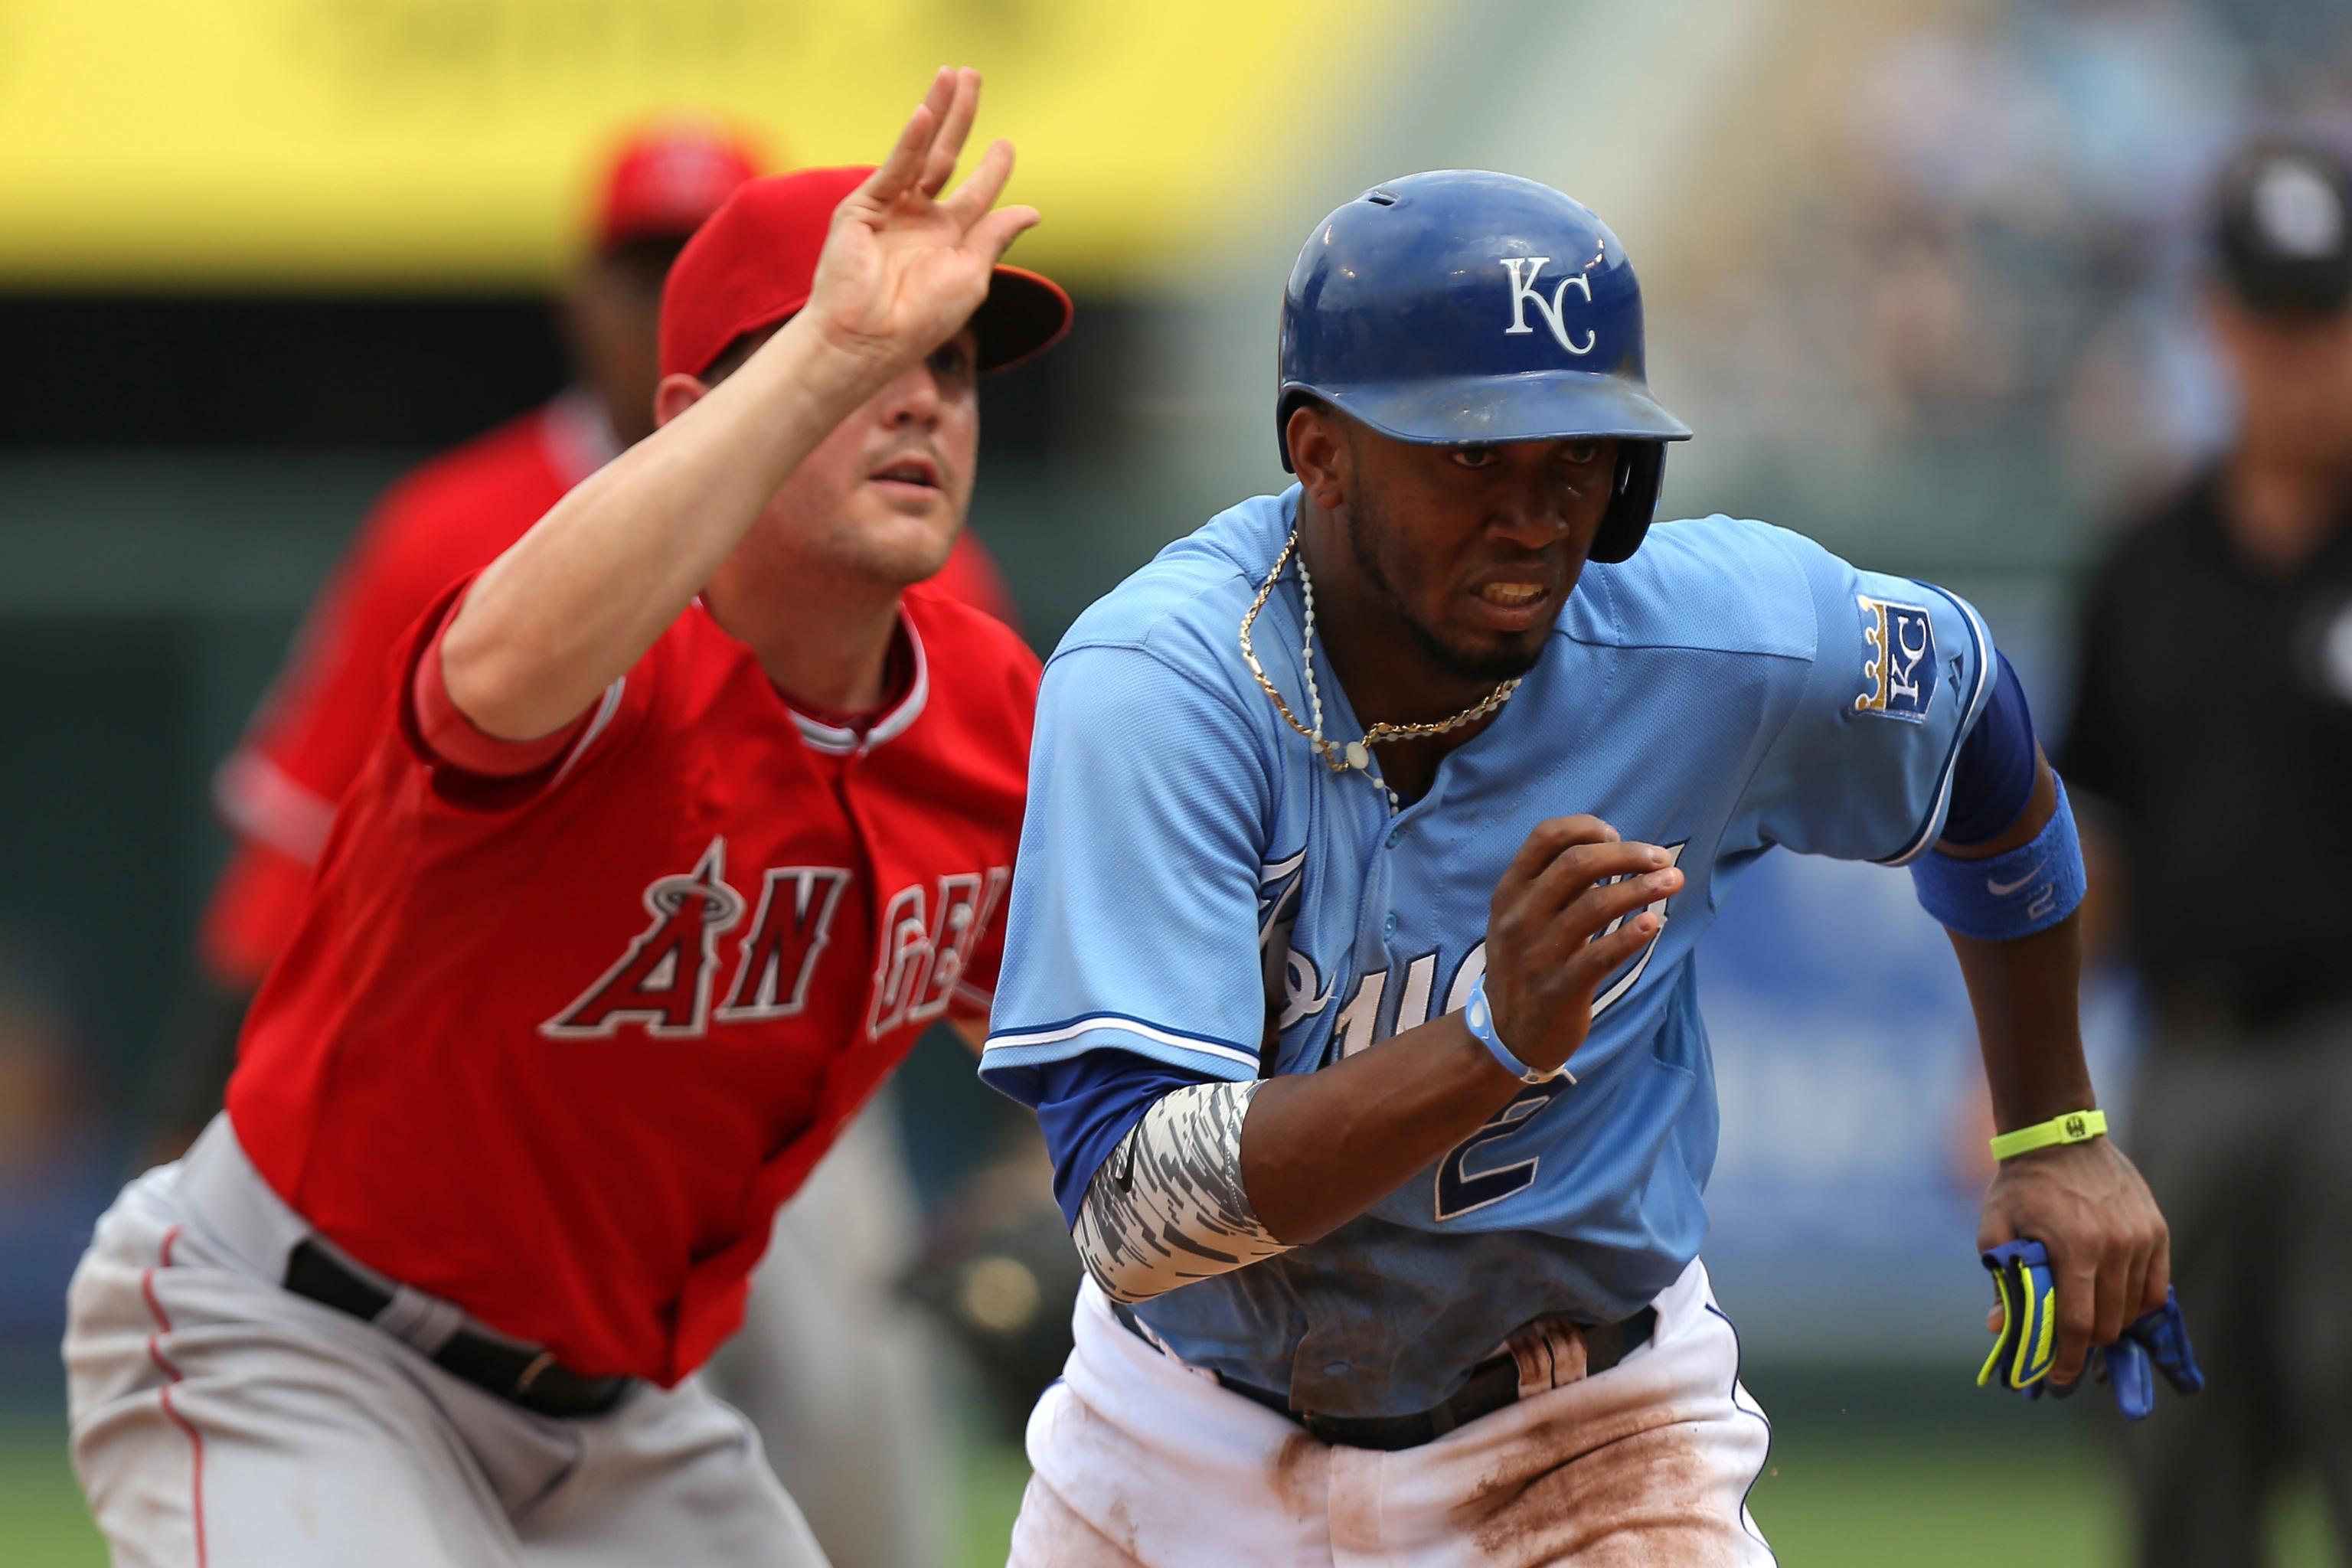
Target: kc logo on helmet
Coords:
[[1900, 671], [1524, 270]]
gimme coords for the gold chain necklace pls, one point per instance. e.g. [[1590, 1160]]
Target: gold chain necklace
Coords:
[[1356, 755]]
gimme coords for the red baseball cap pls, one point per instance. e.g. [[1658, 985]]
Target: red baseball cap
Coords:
[[666, 180], [753, 263]]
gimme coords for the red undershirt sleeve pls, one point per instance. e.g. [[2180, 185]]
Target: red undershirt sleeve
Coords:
[[456, 741]]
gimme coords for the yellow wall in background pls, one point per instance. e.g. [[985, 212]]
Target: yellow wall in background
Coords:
[[431, 143]]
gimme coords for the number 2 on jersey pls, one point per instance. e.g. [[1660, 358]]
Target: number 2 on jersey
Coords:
[[1461, 1190]]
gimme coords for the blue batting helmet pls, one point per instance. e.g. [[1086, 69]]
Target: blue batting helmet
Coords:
[[1465, 308]]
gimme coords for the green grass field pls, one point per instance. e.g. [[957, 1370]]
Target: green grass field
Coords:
[[1838, 1495]]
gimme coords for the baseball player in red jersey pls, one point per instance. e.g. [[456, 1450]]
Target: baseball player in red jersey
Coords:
[[687, 815], [823, 1420], [451, 517]]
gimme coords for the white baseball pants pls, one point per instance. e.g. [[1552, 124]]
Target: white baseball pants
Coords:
[[220, 1421], [1143, 1462]]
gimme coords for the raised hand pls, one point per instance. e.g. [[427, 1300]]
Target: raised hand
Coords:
[[1546, 951], [904, 267]]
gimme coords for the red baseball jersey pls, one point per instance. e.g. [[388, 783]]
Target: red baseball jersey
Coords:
[[447, 520], [556, 1047]]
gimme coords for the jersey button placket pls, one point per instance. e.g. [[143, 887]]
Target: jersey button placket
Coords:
[[1388, 883]]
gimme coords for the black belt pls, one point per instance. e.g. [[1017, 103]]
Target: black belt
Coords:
[[1493, 1384], [529, 1378]]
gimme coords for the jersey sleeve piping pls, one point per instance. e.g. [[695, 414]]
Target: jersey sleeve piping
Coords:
[[455, 782], [604, 711], [1982, 642], [1086, 1012], [1029, 1047]]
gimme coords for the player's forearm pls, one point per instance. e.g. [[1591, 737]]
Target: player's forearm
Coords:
[[1320, 1148], [2024, 991], [2028, 1025], [1166, 1207], [1179, 1199], [578, 599]]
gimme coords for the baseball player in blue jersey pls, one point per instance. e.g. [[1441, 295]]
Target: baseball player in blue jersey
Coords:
[[1372, 829]]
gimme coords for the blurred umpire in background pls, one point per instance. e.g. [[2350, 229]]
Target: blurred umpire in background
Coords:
[[2213, 721], [831, 1366]]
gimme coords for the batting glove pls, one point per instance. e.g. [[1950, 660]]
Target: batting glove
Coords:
[[2021, 1357]]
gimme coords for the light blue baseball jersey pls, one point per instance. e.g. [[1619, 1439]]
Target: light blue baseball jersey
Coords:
[[1197, 889]]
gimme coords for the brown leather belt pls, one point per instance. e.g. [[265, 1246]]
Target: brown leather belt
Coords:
[[526, 1377], [1491, 1384]]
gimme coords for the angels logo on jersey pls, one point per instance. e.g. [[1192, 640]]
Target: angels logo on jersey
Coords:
[[921, 966], [664, 980], [668, 976]]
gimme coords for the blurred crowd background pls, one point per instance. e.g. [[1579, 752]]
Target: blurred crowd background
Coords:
[[1926, 280]]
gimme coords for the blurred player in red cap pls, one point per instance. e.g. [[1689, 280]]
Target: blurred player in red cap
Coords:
[[685, 816]]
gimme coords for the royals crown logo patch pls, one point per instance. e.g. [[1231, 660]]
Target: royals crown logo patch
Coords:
[[1898, 670]]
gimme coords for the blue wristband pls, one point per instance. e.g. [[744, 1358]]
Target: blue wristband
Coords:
[[2009, 895], [1480, 1017]]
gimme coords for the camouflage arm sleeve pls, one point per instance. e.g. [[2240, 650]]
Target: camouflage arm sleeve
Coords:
[[1166, 1207]]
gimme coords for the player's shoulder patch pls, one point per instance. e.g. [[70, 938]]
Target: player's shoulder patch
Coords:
[[1898, 666]]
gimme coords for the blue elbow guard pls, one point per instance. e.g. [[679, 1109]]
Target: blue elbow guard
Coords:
[[1999, 899]]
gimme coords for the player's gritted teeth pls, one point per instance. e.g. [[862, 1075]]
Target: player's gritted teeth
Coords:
[[1515, 599]]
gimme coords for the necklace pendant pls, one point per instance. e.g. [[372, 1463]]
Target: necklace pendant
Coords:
[[1360, 756]]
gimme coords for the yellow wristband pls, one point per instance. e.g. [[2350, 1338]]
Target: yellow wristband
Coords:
[[2074, 1126]]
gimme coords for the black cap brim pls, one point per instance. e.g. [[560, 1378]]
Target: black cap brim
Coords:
[[1025, 313]]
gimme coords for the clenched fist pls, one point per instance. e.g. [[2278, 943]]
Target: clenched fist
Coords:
[[1548, 945]]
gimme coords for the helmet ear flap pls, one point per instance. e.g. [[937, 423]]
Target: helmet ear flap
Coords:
[[1641, 469], [1282, 408]]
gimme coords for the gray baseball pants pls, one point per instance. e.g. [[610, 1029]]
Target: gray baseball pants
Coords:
[[2242, 1140], [219, 1421], [839, 1371]]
